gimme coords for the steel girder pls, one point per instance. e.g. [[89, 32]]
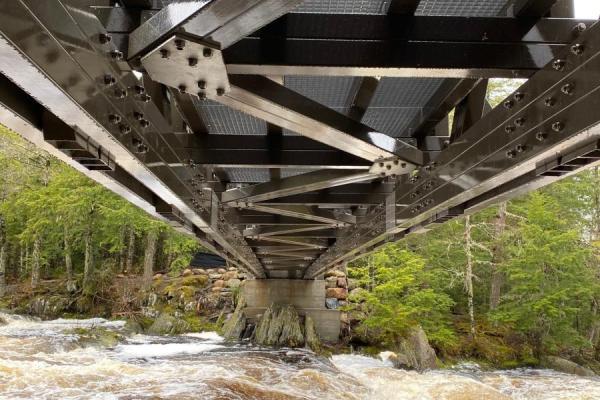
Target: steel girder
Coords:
[[356, 189], [531, 139]]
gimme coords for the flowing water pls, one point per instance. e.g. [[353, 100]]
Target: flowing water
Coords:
[[42, 360]]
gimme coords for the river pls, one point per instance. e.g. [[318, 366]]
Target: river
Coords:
[[43, 360]]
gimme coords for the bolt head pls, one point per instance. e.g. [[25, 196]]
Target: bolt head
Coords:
[[144, 123], [192, 61], [114, 118], [139, 89], [120, 93], [182, 88], [519, 96], [520, 121], [145, 98], [577, 49], [540, 136], [508, 104], [510, 154], [202, 95], [549, 101], [509, 129], [567, 89], [558, 65], [558, 126], [104, 38], [109, 80], [125, 129], [519, 148], [207, 52], [164, 53], [579, 28], [138, 115], [179, 44], [116, 55], [220, 91], [202, 84]]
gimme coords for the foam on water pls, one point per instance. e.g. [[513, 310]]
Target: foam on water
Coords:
[[42, 359]]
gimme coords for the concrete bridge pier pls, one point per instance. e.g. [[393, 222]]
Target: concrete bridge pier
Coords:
[[307, 296]]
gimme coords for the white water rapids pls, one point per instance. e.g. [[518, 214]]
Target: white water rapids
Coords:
[[41, 360]]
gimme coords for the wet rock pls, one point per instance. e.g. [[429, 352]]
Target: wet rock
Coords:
[[566, 366], [249, 331], [236, 324], [415, 352], [97, 337], [338, 293], [310, 333], [221, 270], [133, 327], [187, 272], [167, 324], [49, 307], [233, 283], [279, 326], [331, 303], [342, 282]]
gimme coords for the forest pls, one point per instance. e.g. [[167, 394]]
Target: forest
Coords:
[[509, 284]]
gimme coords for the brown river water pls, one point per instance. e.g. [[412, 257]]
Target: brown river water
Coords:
[[41, 360]]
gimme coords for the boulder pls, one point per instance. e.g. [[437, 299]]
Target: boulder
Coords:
[[338, 293], [230, 275], [331, 284], [336, 273], [187, 272], [279, 326], [233, 283], [310, 334], [342, 282], [220, 283], [566, 366], [232, 269], [221, 270], [331, 303], [211, 271], [167, 324], [415, 352], [357, 294], [199, 271], [215, 277], [236, 324]]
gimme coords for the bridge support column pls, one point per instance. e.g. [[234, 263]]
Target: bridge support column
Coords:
[[307, 296]]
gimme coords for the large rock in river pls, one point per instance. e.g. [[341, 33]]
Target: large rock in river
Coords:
[[415, 352], [279, 326], [567, 366], [167, 324]]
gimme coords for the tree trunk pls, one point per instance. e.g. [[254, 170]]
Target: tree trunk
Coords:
[[3, 257], [36, 262], [88, 267], [68, 260], [497, 278], [152, 240], [122, 253], [469, 274], [21, 262], [130, 251]]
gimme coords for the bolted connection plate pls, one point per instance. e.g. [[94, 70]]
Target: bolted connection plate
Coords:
[[390, 167], [189, 67]]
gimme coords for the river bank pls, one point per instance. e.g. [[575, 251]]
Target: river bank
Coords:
[[49, 360]]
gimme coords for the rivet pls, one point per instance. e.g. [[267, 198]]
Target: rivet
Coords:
[[103, 38], [509, 129], [220, 91], [519, 96], [558, 126], [567, 88], [164, 53], [510, 154], [388, 166], [182, 88], [381, 164], [508, 104], [549, 101], [179, 44], [144, 123], [125, 129], [579, 28], [202, 84], [382, 174], [138, 115], [202, 95], [145, 98], [207, 52], [116, 55], [109, 80], [577, 49], [520, 121], [396, 162], [520, 148], [114, 118], [403, 165], [540, 136], [558, 65], [192, 61]]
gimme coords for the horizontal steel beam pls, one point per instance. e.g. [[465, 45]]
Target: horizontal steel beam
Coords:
[[294, 185], [283, 230], [310, 213], [272, 102]]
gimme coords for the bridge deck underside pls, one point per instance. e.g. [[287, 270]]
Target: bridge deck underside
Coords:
[[321, 129]]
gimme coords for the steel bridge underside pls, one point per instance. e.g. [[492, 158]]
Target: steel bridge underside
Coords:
[[293, 136]]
